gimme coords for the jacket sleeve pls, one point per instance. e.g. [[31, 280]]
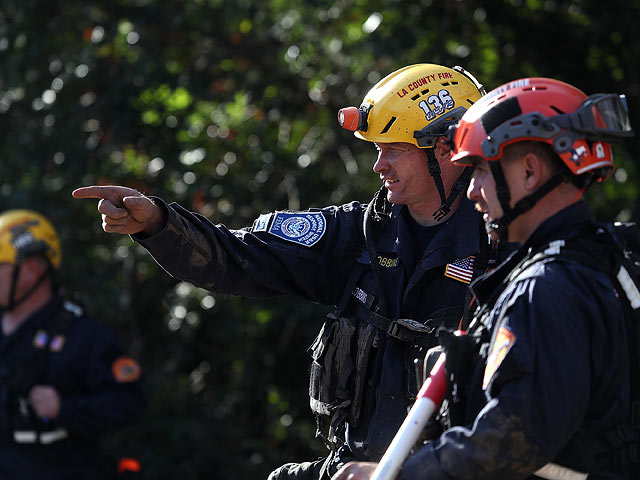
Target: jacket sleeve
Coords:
[[107, 392], [538, 381], [255, 261]]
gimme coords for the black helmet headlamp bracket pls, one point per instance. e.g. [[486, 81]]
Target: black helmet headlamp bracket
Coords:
[[427, 136]]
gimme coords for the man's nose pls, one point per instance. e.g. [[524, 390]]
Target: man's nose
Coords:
[[473, 192], [381, 165]]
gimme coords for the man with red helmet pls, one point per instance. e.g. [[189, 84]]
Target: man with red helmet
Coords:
[[550, 393]]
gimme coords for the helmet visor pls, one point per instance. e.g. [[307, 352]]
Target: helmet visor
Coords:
[[603, 116]]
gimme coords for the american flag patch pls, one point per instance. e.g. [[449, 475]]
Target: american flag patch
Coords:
[[461, 270]]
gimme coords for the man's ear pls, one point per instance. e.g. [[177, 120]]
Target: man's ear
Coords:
[[534, 172], [442, 149]]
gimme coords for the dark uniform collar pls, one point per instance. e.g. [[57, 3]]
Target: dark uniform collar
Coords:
[[564, 224], [458, 237]]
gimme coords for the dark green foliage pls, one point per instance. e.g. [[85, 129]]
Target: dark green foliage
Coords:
[[230, 109]]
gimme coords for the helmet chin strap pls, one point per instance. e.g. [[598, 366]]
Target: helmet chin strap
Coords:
[[14, 302], [500, 225], [458, 187]]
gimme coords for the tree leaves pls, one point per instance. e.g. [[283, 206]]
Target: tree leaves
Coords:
[[230, 108]]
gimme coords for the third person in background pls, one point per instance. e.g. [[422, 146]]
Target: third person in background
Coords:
[[65, 380]]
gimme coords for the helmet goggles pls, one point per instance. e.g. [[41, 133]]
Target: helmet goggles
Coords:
[[603, 116]]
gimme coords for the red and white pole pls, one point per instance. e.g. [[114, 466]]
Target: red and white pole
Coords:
[[429, 398]]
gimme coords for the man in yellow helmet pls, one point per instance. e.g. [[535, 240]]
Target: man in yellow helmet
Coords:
[[395, 269], [64, 379]]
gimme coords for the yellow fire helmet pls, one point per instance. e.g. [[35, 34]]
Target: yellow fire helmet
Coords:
[[24, 233], [415, 104]]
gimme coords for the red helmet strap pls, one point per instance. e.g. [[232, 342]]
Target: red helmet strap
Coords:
[[523, 205]]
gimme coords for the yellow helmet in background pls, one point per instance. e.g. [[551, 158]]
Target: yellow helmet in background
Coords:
[[24, 233], [414, 104]]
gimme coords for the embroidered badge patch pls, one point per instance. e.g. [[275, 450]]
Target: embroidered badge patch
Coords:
[[460, 270], [261, 223], [57, 343], [303, 228], [125, 369], [502, 344], [41, 338]]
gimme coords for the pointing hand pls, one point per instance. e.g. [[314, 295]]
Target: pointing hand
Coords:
[[124, 210]]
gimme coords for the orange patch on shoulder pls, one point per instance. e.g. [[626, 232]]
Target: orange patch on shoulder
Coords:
[[502, 344], [125, 369]]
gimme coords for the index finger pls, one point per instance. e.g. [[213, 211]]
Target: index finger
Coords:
[[94, 191]]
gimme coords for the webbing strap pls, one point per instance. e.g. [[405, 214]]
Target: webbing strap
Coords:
[[369, 240], [350, 286], [486, 255], [405, 329]]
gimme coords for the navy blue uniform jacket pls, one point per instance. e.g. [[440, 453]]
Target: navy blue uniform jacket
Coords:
[[558, 376], [97, 382], [263, 261]]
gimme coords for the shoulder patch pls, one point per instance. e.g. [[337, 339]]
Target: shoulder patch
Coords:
[[502, 344], [304, 228], [125, 369], [261, 223]]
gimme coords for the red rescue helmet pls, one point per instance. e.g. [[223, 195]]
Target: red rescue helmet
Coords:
[[578, 127]]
